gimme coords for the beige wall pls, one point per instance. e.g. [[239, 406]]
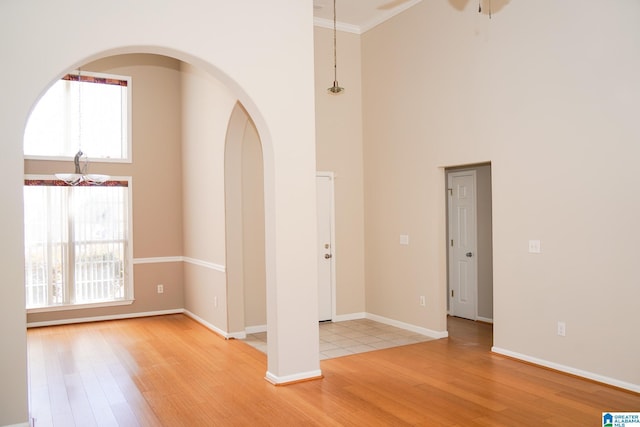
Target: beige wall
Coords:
[[206, 108], [255, 303], [245, 233], [156, 173], [546, 91], [234, 219], [485, 242], [244, 44], [339, 150]]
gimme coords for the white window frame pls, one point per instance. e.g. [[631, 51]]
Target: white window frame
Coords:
[[129, 132], [129, 281]]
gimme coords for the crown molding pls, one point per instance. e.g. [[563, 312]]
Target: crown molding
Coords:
[[341, 26], [360, 29]]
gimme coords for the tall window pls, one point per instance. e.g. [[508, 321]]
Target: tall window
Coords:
[[76, 243], [77, 238], [56, 129]]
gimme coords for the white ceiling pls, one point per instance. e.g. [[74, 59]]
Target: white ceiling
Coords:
[[357, 16]]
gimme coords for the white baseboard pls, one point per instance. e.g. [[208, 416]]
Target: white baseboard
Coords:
[[236, 335], [225, 334], [19, 425], [417, 329], [255, 329], [568, 369], [274, 379], [103, 318], [350, 316], [484, 319]]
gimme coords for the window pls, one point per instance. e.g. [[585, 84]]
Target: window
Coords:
[[77, 247], [54, 129]]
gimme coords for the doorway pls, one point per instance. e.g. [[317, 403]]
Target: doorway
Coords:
[[326, 252], [469, 242]]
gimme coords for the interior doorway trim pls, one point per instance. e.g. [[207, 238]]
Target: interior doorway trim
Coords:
[[484, 238], [331, 176]]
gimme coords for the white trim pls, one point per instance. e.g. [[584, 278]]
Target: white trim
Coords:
[[157, 260], [130, 277], [417, 329], [210, 265], [27, 424], [208, 325], [236, 335], [206, 264], [484, 319], [332, 208], [360, 29], [274, 379], [568, 369], [340, 26], [70, 158], [351, 316], [398, 324], [69, 307], [255, 329], [102, 318]]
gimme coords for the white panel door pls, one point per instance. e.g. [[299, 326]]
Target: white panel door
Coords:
[[463, 266], [324, 188]]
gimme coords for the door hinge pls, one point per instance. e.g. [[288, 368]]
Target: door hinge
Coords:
[[450, 191], [451, 293], [451, 242]]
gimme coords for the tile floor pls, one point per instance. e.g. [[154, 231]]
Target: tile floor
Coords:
[[351, 337]]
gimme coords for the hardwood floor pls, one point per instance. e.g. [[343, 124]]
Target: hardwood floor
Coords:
[[171, 371]]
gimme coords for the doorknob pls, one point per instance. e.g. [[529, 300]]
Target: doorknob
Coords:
[[327, 256], [469, 254]]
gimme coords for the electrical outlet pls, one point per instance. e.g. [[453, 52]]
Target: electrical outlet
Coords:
[[562, 329], [160, 289], [423, 301], [534, 246]]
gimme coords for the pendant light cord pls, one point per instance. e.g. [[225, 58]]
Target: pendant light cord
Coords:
[[335, 44], [80, 153], [79, 109], [335, 88]]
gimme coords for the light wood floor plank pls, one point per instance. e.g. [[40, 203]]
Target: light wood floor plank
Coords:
[[171, 371]]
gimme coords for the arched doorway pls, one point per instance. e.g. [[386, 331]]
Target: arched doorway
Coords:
[[244, 201], [218, 38]]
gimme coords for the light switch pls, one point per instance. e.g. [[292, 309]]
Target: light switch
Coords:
[[534, 246], [404, 239]]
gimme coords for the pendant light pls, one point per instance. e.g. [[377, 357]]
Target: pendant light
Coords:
[[80, 173], [335, 89]]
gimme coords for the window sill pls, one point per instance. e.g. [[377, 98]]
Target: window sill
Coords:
[[79, 306], [70, 158]]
